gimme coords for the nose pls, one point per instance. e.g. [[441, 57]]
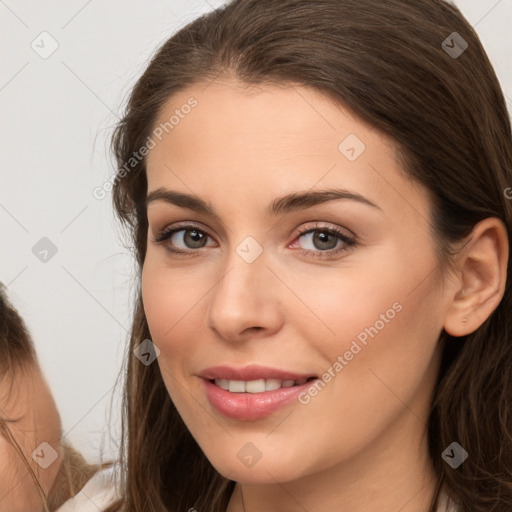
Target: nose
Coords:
[[245, 300]]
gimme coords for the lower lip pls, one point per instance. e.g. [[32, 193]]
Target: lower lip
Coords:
[[252, 406]]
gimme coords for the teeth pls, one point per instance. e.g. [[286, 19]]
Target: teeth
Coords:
[[256, 386], [272, 384], [236, 386], [222, 383]]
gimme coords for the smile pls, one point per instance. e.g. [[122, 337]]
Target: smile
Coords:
[[257, 386]]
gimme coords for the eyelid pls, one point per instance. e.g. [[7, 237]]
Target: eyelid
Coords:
[[317, 225], [180, 226], [349, 240], [320, 225]]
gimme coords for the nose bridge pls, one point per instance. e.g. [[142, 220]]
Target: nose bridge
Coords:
[[242, 297], [245, 269]]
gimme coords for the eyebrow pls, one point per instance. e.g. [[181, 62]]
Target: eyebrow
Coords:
[[288, 203]]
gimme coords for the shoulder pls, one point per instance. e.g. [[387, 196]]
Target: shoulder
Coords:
[[97, 494]]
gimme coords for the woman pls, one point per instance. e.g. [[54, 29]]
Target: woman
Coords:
[[317, 198], [39, 469]]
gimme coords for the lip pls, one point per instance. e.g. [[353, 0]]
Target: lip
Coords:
[[251, 372], [251, 406]]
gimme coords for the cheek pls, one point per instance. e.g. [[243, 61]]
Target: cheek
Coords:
[[373, 365], [384, 325], [170, 297], [175, 301], [339, 306], [388, 294], [387, 348]]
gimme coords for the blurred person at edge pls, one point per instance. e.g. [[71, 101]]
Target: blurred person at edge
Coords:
[[39, 470]]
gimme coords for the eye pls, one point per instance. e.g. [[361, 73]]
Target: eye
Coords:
[[316, 241], [183, 239], [321, 241]]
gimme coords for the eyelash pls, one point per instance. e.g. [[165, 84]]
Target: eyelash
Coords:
[[349, 242]]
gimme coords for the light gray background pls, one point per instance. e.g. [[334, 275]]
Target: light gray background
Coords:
[[57, 115]]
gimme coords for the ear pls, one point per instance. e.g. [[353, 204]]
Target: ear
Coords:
[[481, 277]]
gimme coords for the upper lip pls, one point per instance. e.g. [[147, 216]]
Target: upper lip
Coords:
[[251, 372]]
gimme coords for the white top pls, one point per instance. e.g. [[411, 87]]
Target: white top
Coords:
[[443, 504], [96, 495], [100, 491]]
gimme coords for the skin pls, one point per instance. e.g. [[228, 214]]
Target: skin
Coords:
[[359, 444], [29, 400]]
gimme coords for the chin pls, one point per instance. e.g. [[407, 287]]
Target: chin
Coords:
[[261, 472]]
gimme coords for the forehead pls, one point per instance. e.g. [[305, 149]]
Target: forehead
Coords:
[[266, 138], [284, 115]]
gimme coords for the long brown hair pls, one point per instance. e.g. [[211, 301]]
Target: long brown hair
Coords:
[[387, 63]]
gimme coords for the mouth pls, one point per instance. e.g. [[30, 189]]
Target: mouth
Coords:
[[253, 392], [245, 405], [258, 385]]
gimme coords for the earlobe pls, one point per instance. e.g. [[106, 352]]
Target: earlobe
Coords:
[[481, 278]]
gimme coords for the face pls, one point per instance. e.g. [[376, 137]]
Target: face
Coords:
[[29, 400], [258, 293]]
